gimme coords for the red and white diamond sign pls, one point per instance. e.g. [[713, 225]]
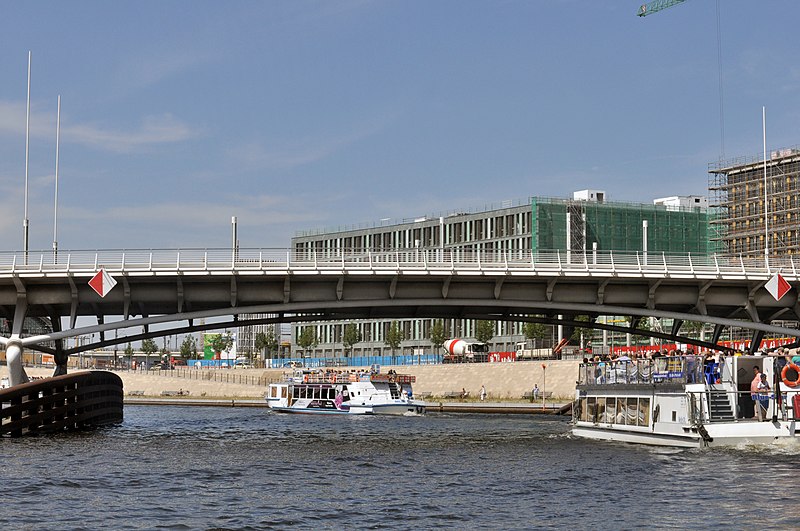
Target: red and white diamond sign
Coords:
[[777, 286], [102, 283]]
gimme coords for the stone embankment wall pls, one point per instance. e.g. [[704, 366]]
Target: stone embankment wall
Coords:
[[502, 380], [153, 384]]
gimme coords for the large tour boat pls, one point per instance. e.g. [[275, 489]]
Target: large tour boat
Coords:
[[687, 401], [333, 392]]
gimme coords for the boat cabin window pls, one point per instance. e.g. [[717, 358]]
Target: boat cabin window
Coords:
[[627, 411]]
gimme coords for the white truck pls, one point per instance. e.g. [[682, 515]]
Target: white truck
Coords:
[[525, 353]]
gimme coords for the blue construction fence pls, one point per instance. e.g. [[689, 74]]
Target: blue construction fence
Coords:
[[356, 361]]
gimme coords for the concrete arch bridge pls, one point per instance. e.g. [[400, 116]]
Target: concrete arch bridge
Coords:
[[177, 288]]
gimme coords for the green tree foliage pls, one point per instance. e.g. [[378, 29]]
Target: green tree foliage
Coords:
[[534, 332], [586, 331], [693, 328], [394, 336], [129, 352], [221, 342], [189, 348], [437, 334], [307, 338], [266, 341], [351, 336], [642, 323], [149, 348], [484, 331]]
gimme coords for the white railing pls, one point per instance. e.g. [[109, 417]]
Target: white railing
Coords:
[[412, 261]]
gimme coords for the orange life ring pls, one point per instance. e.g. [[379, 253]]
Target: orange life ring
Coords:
[[305, 378], [787, 381]]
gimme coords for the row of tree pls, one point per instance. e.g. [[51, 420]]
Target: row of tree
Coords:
[[307, 339], [484, 332]]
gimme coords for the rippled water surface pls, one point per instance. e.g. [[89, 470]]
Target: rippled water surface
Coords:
[[226, 468]]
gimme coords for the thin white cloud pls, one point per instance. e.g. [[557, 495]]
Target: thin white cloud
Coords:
[[256, 155], [12, 117], [145, 70], [153, 130]]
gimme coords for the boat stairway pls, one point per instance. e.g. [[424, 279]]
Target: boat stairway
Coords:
[[719, 405]]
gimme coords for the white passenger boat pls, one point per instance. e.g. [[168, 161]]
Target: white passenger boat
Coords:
[[680, 401], [345, 394]]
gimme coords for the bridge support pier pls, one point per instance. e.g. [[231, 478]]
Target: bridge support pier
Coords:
[[60, 357], [16, 372]]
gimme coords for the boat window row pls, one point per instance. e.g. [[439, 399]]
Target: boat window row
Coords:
[[318, 392], [670, 369], [627, 411], [274, 391]]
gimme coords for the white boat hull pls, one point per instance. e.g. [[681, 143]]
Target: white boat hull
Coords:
[[411, 407], [720, 434]]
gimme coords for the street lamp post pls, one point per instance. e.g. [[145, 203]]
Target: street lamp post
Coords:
[[544, 382]]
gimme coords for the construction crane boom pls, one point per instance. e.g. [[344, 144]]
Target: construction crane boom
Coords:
[[656, 6]]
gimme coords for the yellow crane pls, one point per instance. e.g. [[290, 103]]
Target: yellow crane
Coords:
[[656, 6]]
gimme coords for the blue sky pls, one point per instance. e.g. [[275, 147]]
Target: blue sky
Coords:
[[294, 115]]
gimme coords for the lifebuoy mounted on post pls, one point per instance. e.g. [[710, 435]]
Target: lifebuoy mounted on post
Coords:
[[790, 375]]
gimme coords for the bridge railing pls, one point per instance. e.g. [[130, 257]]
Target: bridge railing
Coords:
[[407, 260]]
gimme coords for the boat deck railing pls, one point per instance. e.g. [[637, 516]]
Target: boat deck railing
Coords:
[[725, 405], [667, 369], [350, 377]]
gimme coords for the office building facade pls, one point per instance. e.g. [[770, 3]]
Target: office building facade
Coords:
[[584, 223]]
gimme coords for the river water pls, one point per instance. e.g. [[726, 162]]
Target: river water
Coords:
[[237, 468]]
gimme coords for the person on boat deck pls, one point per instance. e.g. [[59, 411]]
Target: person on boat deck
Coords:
[[781, 359], [754, 391], [763, 395]]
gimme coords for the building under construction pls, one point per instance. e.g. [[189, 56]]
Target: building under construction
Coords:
[[587, 223], [743, 222]]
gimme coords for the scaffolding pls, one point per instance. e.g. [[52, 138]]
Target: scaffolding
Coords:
[[737, 199], [577, 225]]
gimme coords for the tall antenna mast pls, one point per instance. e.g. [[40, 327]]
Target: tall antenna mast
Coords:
[[27, 150], [55, 207]]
